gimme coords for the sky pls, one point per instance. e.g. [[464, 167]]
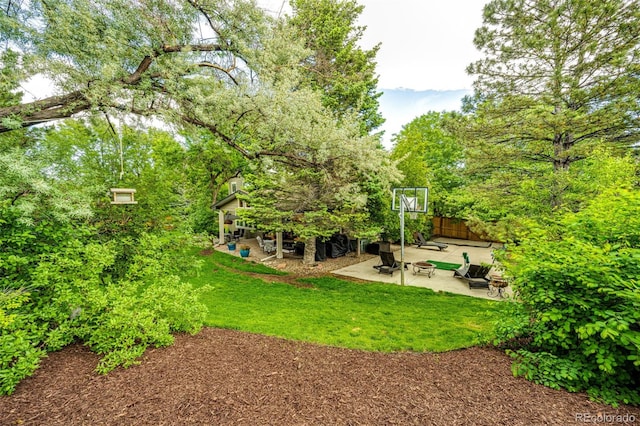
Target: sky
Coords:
[[425, 48], [425, 44]]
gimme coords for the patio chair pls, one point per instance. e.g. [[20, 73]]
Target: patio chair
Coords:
[[474, 275], [260, 242], [268, 246], [388, 263], [462, 271], [420, 241]]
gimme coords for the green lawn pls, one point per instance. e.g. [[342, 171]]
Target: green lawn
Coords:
[[331, 311]]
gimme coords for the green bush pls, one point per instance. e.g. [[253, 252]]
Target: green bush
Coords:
[[74, 298], [19, 356], [112, 286], [577, 320]]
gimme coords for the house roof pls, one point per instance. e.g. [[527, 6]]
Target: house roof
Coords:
[[226, 200]]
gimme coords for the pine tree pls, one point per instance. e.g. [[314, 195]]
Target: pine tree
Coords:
[[558, 78]]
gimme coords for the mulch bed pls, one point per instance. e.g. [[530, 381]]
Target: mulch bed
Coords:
[[222, 377]]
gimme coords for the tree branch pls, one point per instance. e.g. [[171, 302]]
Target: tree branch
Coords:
[[65, 106], [42, 111]]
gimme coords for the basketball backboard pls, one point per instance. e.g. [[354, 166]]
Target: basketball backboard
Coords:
[[415, 199]]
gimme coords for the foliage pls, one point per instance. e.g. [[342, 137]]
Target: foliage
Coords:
[[210, 163], [344, 75], [36, 218], [508, 221], [132, 53], [317, 185], [383, 222], [93, 156], [557, 80], [331, 311], [337, 67], [579, 309], [428, 155], [60, 282], [96, 156], [212, 65], [26, 191], [19, 358], [73, 298], [9, 78], [320, 188]]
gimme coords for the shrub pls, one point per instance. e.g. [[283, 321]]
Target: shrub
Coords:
[[19, 356], [579, 301], [74, 298]]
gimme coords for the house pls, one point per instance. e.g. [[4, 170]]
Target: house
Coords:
[[229, 225], [228, 222]]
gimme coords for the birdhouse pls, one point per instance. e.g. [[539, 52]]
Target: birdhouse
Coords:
[[123, 196]]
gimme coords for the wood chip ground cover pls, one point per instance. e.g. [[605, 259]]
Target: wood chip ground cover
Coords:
[[220, 377]]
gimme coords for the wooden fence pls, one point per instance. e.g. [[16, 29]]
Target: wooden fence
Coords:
[[453, 228]]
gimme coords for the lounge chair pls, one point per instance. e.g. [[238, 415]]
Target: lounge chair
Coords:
[[474, 275], [419, 240], [462, 271], [388, 263]]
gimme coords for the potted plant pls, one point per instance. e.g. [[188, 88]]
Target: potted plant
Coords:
[[244, 250], [231, 245]]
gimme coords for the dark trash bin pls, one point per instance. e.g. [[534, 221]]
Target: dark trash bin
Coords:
[[321, 251], [337, 246]]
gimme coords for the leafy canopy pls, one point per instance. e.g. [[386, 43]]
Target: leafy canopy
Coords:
[[577, 285], [337, 67]]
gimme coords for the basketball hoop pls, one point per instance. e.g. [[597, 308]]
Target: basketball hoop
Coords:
[[414, 201]]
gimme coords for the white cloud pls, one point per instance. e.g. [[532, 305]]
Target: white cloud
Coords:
[[425, 44]]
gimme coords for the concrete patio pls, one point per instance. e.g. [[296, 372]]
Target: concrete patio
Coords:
[[441, 280]]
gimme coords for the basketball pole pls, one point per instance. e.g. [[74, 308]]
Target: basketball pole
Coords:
[[413, 206], [402, 200]]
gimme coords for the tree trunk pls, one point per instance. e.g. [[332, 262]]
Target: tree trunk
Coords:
[[309, 251], [562, 160], [562, 143]]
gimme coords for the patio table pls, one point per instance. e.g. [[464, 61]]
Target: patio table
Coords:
[[497, 285], [428, 268]]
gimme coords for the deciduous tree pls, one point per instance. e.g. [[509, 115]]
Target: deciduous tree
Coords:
[[213, 64], [322, 188], [429, 155]]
